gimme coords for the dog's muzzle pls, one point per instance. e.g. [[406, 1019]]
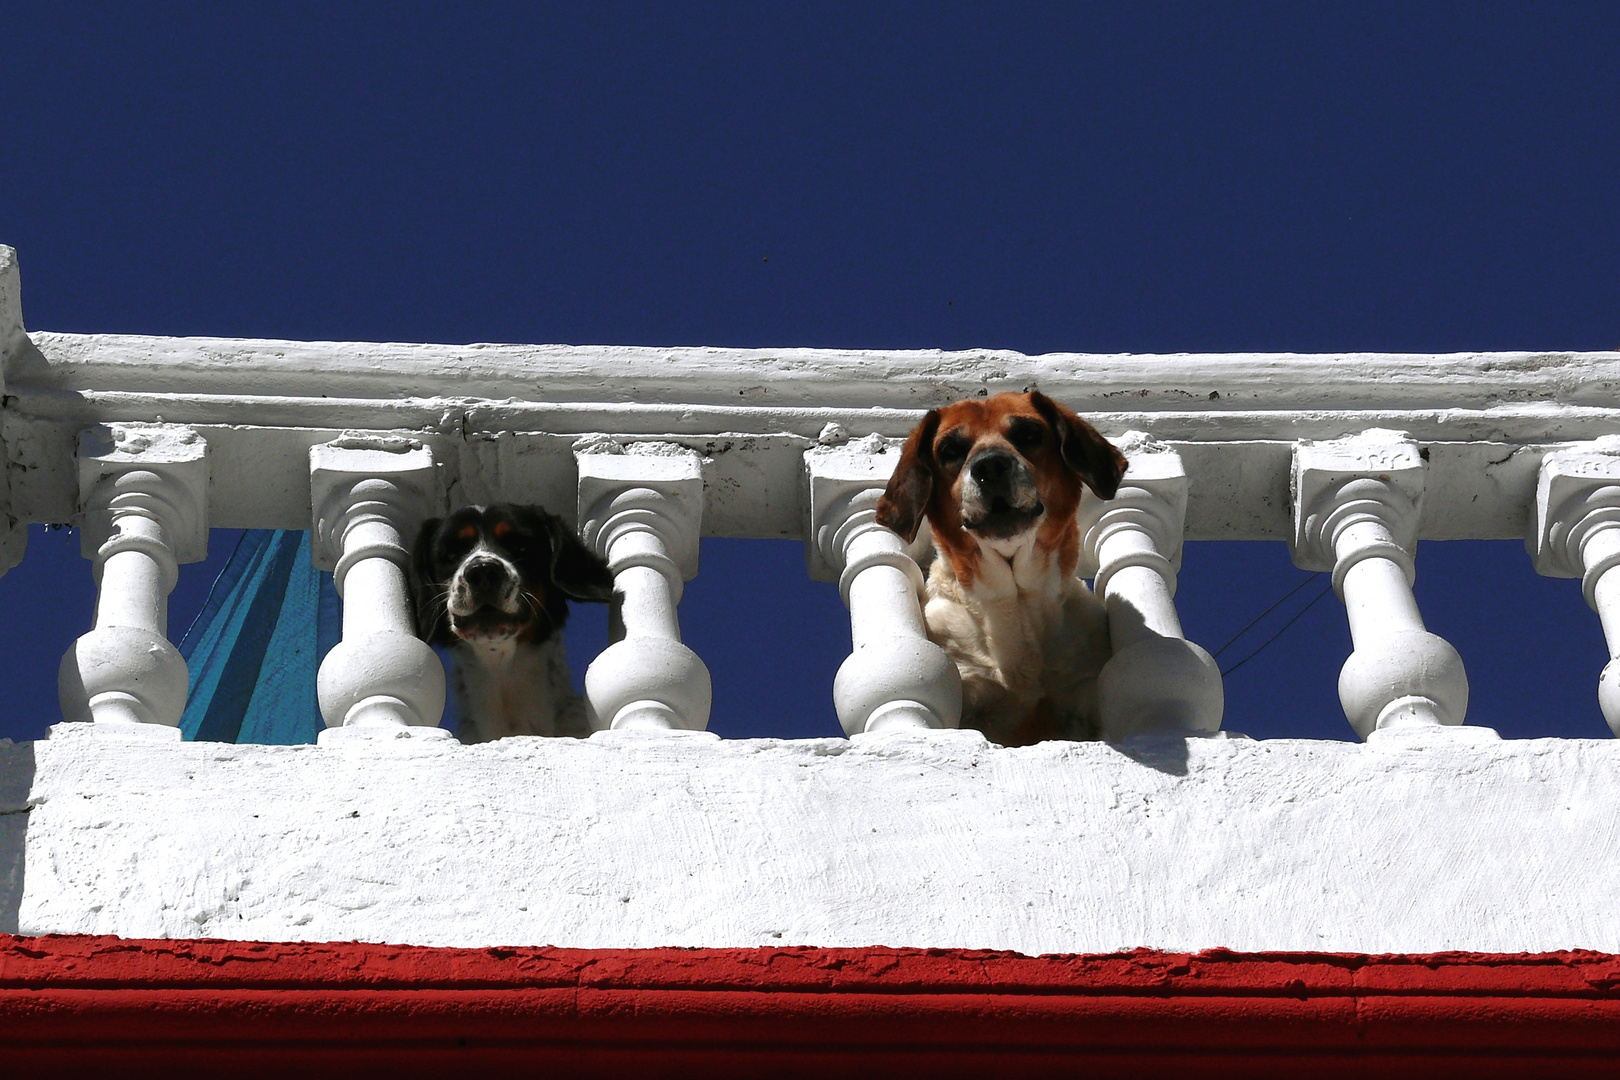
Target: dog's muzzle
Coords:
[[999, 497], [483, 583], [484, 599]]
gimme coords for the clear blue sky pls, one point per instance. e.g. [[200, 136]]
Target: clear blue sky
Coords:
[[1098, 177]]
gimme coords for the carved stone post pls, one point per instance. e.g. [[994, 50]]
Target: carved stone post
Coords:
[[1157, 680], [895, 678], [13, 343], [641, 512], [1577, 534], [143, 494], [369, 492], [1357, 502]]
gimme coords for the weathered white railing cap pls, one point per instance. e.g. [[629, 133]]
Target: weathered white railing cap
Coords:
[[1357, 485], [363, 479], [112, 459], [1577, 502], [1154, 469], [647, 488]]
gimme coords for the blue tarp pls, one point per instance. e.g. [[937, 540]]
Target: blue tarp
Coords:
[[255, 648]]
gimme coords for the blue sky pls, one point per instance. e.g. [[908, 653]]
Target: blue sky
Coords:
[[1100, 177]]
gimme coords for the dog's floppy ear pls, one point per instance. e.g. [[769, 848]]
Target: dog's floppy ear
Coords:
[[426, 590], [1097, 461], [905, 500], [576, 570]]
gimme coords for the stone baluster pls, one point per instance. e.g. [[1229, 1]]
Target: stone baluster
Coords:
[[641, 512], [1577, 534], [143, 497], [1157, 681], [1357, 502], [895, 679], [14, 345], [369, 493]]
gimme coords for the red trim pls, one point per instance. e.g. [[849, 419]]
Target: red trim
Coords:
[[167, 1007]]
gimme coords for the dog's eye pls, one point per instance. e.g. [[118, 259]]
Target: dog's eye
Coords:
[[502, 528], [1026, 435], [952, 448], [454, 545]]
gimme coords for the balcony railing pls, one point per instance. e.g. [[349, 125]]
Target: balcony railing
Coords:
[[148, 442], [904, 836]]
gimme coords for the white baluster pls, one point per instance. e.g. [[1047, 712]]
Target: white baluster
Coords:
[[1157, 680], [641, 512], [369, 492], [143, 494], [1577, 534], [1357, 502], [895, 679], [13, 344]]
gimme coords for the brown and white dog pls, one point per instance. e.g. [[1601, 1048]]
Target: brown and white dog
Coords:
[[999, 481], [493, 584]]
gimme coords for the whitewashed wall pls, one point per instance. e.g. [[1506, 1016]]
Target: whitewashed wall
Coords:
[[627, 840]]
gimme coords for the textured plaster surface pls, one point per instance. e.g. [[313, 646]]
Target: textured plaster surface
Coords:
[[503, 419], [944, 841]]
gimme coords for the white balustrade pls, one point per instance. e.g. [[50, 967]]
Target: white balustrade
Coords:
[[369, 492], [1357, 503], [1157, 681], [1576, 533], [642, 512], [13, 343], [895, 679], [143, 497], [1228, 435]]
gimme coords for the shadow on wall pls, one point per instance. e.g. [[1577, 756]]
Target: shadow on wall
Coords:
[[1167, 755], [16, 781]]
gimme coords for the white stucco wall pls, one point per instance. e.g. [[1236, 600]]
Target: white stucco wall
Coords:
[[945, 841]]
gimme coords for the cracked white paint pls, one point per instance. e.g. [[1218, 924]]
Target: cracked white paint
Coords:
[[937, 840]]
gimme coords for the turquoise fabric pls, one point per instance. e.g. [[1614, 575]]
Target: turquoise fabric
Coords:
[[256, 645]]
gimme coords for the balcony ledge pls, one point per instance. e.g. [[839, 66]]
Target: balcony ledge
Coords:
[[934, 841]]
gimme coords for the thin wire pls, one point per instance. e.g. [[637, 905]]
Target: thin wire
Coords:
[[1233, 639], [1325, 590], [240, 536]]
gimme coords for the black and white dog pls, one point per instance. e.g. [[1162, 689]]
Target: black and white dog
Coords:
[[493, 584]]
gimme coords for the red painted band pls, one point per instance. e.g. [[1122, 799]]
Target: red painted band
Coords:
[[97, 1004]]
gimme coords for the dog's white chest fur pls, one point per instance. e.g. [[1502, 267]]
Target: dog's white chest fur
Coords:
[[1028, 642], [507, 688]]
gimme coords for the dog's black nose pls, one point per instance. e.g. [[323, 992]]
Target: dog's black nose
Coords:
[[991, 469], [484, 577]]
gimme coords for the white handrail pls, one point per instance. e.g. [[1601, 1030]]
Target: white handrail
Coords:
[[505, 418]]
